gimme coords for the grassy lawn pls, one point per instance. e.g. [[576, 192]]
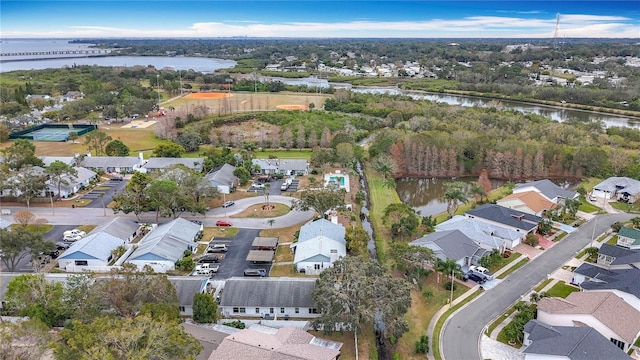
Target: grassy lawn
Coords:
[[500, 319], [435, 342], [283, 253], [210, 232], [623, 206], [561, 290], [284, 154], [381, 197], [587, 207], [613, 241], [559, 237], [542, 285], [285, 234], [589, 183], [422, 310], [35, 228], [503, 262], [256, 211], [515, 267]]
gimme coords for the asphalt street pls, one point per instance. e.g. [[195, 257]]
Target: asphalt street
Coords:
[[234, 261], [462, 332]]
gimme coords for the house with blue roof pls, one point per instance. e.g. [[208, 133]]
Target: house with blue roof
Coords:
[[320, 243], [625, 283], [93, 252], [223, 179], [165, 245]]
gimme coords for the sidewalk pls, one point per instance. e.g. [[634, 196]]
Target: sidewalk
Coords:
[[439, 313]]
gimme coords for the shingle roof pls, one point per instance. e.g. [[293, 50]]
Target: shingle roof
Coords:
[[110, 161], [503, 215], [572, 342], [286, 343], [606, 307], [450, 244], [119, 227], [83, 177], [222, 175], [163, 162], [319, 246], [548, 189], [625, 280], [491, 235], [619, 184], [167, 241], [622, 256], [268, 292], [324, 227], [531, 199], [47, 160], [281, 164], [186, 287], [93, 246]]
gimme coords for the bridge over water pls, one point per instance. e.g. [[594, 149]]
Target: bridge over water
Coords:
[[86, 52]]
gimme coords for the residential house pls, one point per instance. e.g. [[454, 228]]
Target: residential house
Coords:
[[165, 245], [109, 164], [548, 189], [72, 184], [272, 298], [320, 243], [338, 180], [454, 245], [625, 283], [629, 238], [544, 341], [530, 202], [93, 252], [515, 220], [282, 166], [604, 311], [485, 234], [47, 160], [222, 177], [260, 342], [186, 287], [618, 188], [615, 257], [121, 227], [157, 163]]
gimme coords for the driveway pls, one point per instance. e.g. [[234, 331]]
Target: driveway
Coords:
[[234, 261], [109, 189], [461, 333]]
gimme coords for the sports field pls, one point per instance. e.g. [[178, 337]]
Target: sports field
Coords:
[[225, 103]]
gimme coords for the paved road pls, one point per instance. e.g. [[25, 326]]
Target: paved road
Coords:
[[95, 216], [234, 261], [461, 335]]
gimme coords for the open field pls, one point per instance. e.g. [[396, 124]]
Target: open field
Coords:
[[240, 102]]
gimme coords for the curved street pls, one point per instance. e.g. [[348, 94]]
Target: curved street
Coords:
[[96, 216], [461, 334]]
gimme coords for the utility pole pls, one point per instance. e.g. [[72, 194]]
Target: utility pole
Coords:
[[452, 284]]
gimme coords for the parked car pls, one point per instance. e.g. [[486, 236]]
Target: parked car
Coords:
[[62, 245], [73, 235], [478, 278], [198, 222], [223, 223], [255, 272], [117, 178], [481, 270], [216, 248], [257, 185], [209, 259], [206, 269], [228, 203]]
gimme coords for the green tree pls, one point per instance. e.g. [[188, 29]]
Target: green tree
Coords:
[[205, 308], [116, 148], [242, 174], [477, 192], [385, 165], [411, 259], [189, 140], [357, 239], [31, 183], [23, 340], [571, 205], [60, 173], [73, 136], [133, 198], [96, 141], [33, 296], [319, 200], [4, 132], [20, 154], [344, 154], [163, 196], [20, 243], [448, 267], [139, 338], [454, 195], [172, 150]]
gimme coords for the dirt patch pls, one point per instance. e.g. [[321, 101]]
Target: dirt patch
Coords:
[[293, 107], [136, 124], [208, 95]]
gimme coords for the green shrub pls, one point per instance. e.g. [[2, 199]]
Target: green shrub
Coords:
[[422, 345], [450, 284], [235, 324]]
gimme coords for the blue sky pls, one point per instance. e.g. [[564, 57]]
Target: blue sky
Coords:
[[386, 19]]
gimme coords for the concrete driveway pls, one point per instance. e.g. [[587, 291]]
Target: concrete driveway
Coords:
[[112, 187], [461, 333]]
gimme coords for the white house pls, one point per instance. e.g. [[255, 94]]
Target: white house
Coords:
[[186, 287], [510, 219], [222, 178], [320, 243], [271, 298], [530, 202], [121, 227], [157, 163], [487, 235], [618, 188], [608, 314], [73, 183], [453, 245], [117, 164], [165, 245], [548, 189], [629, 238], [93, 252], [337, 179], [282, 166]]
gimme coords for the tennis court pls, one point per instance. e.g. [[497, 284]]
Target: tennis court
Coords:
[[49, 134], [52, 132]]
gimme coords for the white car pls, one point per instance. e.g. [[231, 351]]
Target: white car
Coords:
[[73, 235], [257, 186], [481, 270]]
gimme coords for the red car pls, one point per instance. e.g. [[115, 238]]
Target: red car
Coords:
[[223, 223]]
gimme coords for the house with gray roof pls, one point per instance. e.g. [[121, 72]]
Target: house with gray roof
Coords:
[[320, 244], [548, 189], [629, 238], [110, 164], [72, 184], [121, 227], [222, 178], [273, 298], [158, 163], [186, 287], [625, 283], [615, 257], [604, 311], [165, 245], [93, 252], [544, 341], [47, 160], [454, 245], [487, 235], [511, 219], [618, 188], [282, 166]]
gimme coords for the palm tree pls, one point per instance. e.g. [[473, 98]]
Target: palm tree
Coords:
[[453, 196], [389, 183], [265, 191], [271, 222], [477, 192], [449, 267], [385, 166]]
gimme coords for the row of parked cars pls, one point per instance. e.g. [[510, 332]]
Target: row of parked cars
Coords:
[[478, 274], [208, 264]]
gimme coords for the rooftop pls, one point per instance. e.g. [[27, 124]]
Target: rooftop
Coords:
[[270, 292], [619, 184], [625, 280], [533, 200], [503, 215], [451, 244], [547, 188]]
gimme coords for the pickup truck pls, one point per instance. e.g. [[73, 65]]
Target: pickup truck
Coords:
[[481, 270], [73, 235], [206, 269]]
